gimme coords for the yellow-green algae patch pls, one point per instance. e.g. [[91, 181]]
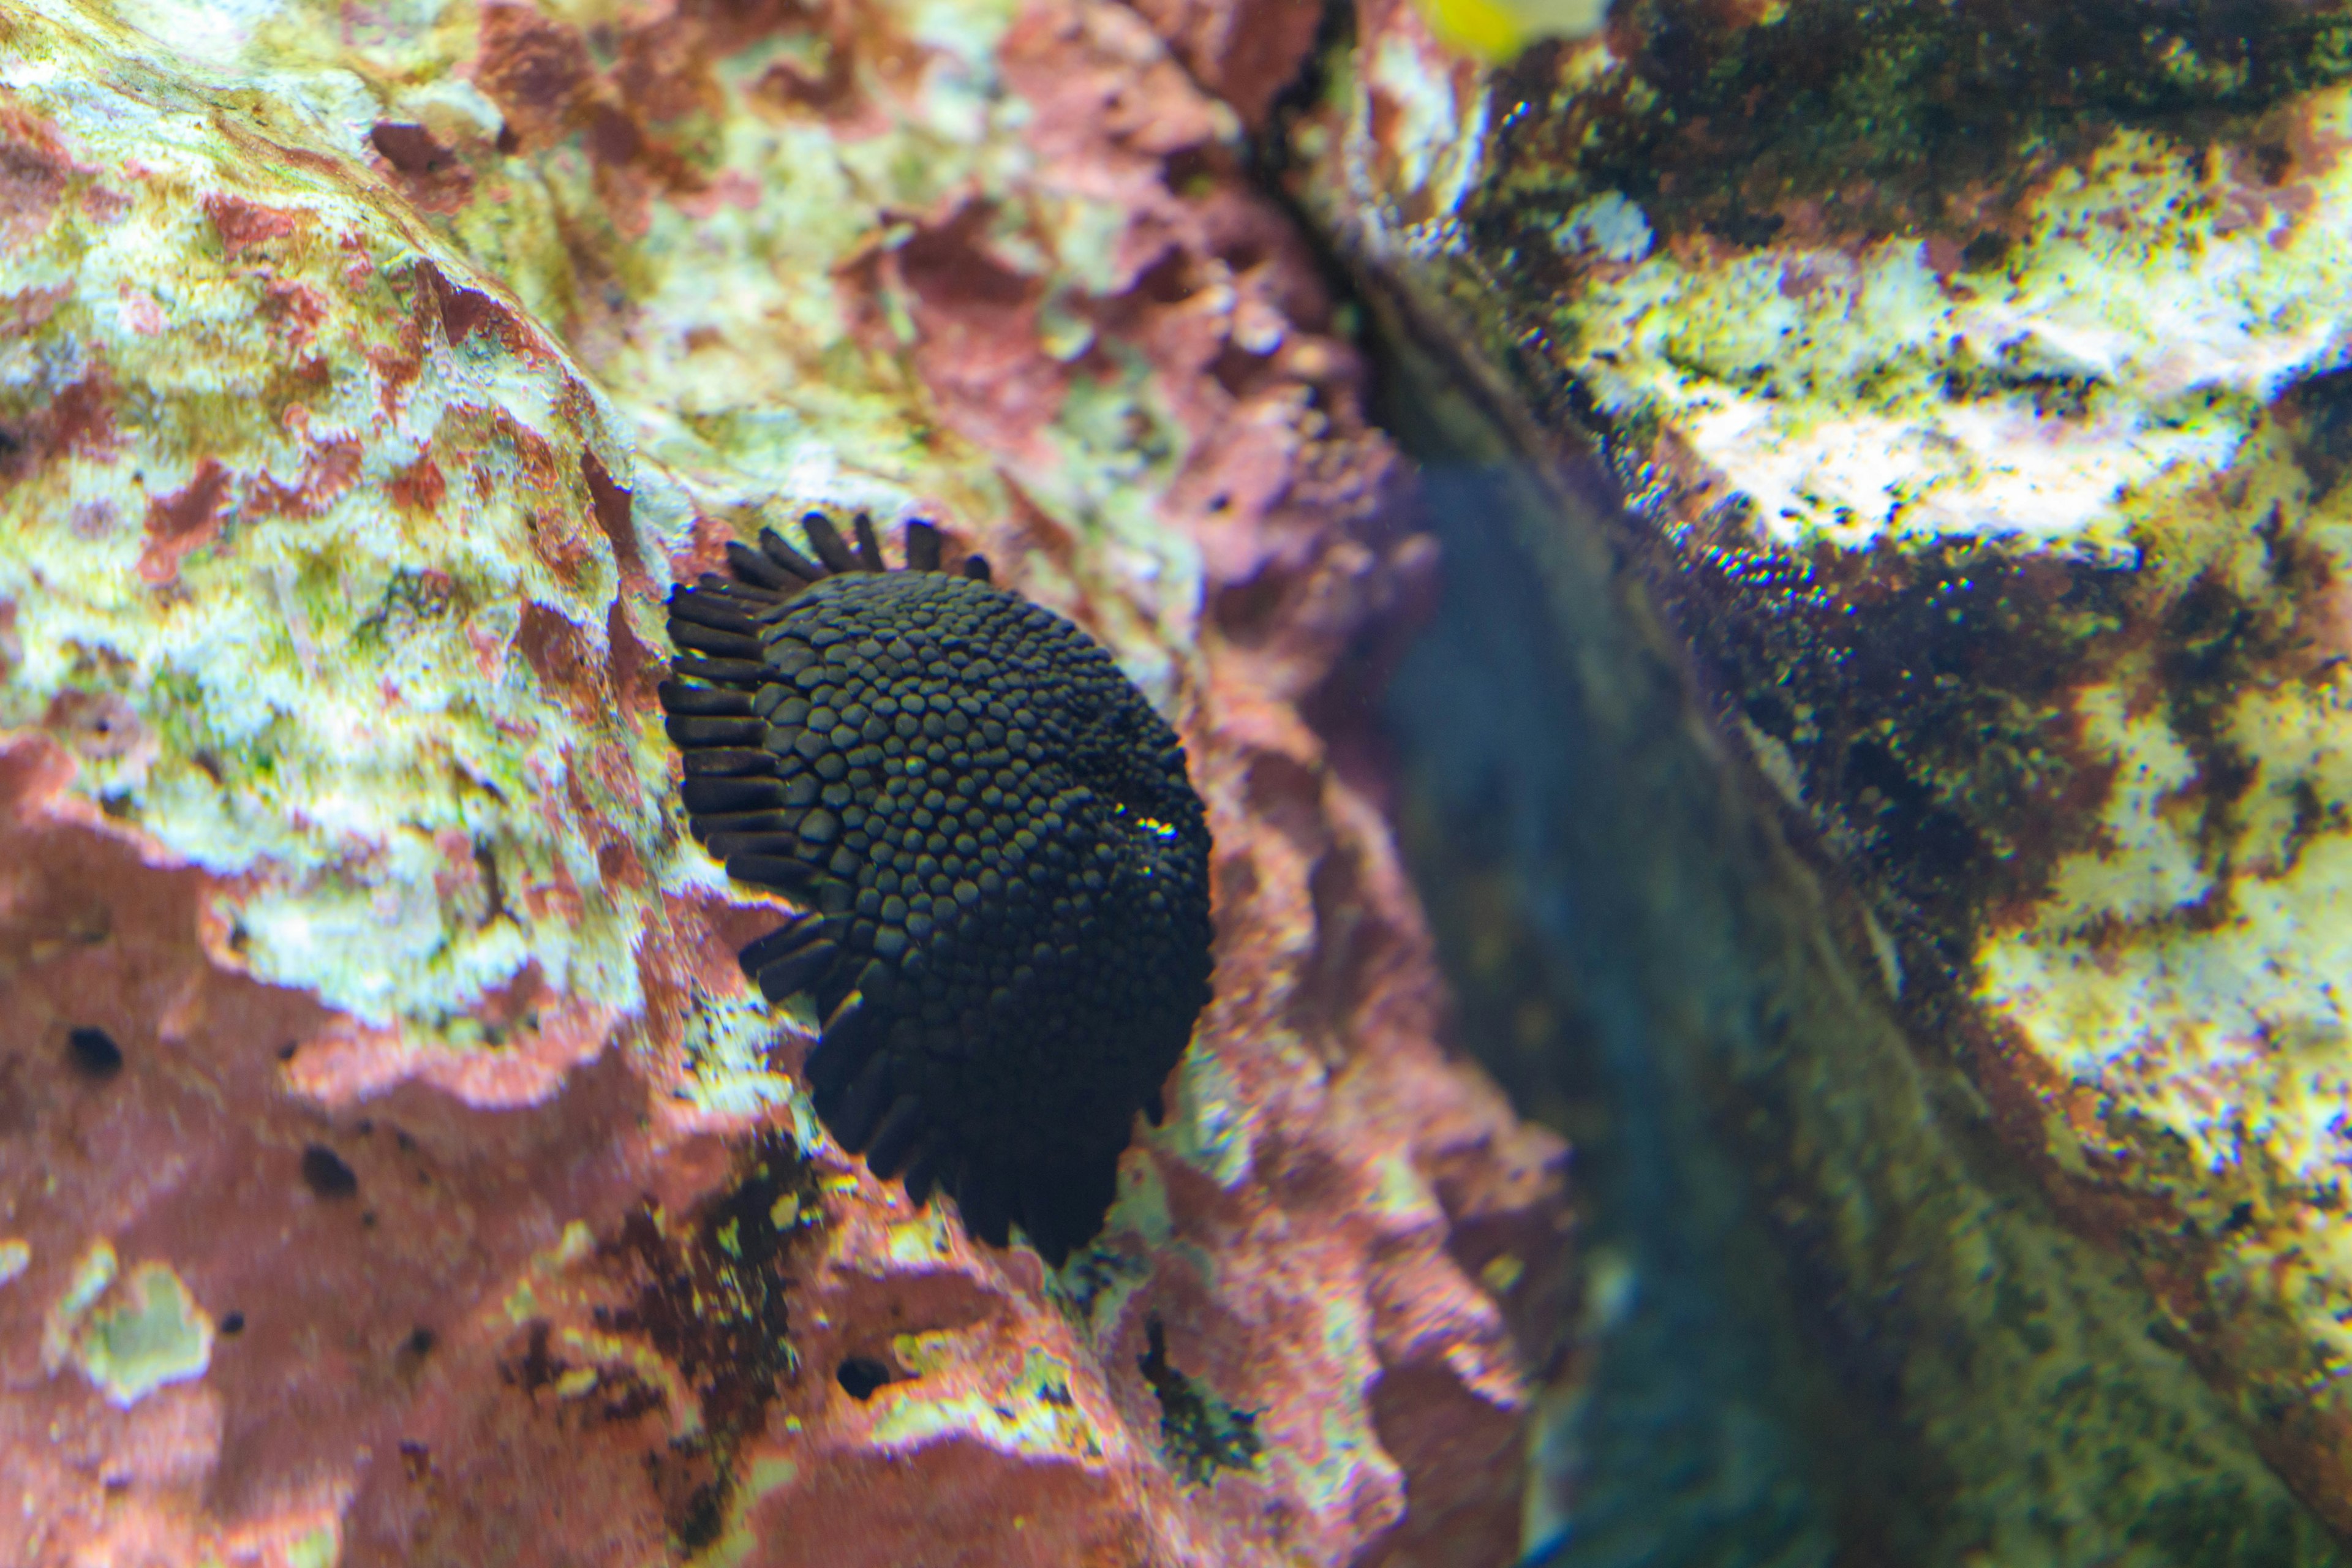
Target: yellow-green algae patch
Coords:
[[728, 1043], [327, 600], [2133, 332], [1035, 1415], [131, 1334], [92, 1273], [155, 1335], [2186, 970], [1213, 1133], [321, 1548], [922, 1240], [1912, 269], [762, 1478]]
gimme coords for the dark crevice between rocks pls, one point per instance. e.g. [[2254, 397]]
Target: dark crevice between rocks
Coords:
[[1696, 1433], [1707, 1404]]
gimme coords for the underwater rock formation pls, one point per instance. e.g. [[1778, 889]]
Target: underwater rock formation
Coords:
[[1974, 378], [395, 1164]]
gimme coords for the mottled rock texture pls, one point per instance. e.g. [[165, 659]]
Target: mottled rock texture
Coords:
[[394, 1167], [1974, 378]]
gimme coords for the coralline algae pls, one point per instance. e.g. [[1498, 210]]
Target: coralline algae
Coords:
[[366, 386]]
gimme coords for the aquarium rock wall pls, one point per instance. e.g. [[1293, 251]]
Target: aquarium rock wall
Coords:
[[395, 1165], [1969, 380]]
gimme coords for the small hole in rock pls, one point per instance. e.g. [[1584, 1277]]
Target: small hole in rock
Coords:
[[95, 1053], [286, 1052], [324, 1173], [861, 1375], [233, 1324], [420, 1341]]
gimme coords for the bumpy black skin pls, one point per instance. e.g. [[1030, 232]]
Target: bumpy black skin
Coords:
[[1003, 865]]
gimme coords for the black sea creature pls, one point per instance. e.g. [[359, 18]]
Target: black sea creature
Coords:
[[1001, 867]]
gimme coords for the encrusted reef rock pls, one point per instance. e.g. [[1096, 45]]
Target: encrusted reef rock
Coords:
[[1975, 379], [394, 1167]]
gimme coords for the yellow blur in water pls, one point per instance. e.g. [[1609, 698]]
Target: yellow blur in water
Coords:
[[1494, 31]]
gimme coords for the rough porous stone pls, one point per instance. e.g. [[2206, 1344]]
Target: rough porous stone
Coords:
[[394, 1165], [1974, 378]]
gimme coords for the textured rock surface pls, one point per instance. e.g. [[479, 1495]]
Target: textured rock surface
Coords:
[[1976, 386], [392, 1167]]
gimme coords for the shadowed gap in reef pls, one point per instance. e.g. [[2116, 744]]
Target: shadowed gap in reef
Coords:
[[1679, 1448]]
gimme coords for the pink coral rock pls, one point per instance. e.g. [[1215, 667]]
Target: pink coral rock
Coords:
[[393, 1167]]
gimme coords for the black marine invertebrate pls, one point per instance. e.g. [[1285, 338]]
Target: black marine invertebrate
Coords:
[[1001, 867]]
